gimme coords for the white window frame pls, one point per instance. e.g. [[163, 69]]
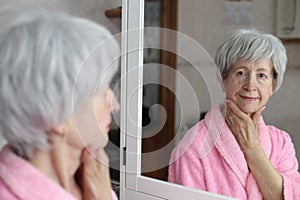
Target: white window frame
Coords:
[[134, 186]]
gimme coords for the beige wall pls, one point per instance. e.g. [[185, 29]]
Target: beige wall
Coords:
[[92, 9], [204, 22]]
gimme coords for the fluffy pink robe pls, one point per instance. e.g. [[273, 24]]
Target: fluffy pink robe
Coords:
[[210, 159], [20, 180]]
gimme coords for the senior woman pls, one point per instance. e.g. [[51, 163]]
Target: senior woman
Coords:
[[232, 151], [56, 105]]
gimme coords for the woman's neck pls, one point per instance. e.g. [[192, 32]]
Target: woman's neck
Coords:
[[60, 164]]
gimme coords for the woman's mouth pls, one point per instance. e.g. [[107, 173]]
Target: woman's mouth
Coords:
[[248, 98]]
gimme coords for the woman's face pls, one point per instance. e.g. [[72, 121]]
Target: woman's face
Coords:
[[104, 104], [250, 85], [91, 124]]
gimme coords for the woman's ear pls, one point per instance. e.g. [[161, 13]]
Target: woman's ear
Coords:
[[63, 128], [59, 130]]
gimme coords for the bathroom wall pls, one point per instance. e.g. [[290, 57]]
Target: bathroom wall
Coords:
[[91, 9], [207, 22]]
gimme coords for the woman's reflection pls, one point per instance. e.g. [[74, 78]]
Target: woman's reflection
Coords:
[[232, 151]]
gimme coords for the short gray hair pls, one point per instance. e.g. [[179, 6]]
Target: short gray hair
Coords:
[[50, 62], [252, 45]]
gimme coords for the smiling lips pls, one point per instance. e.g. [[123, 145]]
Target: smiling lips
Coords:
[[246, 98]]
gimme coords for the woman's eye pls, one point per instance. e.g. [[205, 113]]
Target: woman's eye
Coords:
[[240, 73], [262, 75]]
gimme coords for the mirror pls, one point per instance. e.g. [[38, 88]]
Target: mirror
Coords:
[[175, 94], [172, 107]]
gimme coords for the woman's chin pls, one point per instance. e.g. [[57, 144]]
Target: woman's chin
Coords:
[[249, 110]]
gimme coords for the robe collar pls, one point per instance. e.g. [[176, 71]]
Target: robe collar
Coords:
[[226, 144], [25, 181]]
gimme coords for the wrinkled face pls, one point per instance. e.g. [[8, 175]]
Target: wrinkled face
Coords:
[[250, 85], [91, 124]]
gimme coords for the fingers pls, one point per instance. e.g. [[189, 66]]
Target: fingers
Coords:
[[240, 114], [242, 126], [258, 113], [235, 110], [95, 174], [256, 116], [87, 156], [229, 116], [94, 156], [234, 116], [94, 160], [102, 157]]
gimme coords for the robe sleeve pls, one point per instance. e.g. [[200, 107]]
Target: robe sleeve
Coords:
[[287, 165], [185, 168]]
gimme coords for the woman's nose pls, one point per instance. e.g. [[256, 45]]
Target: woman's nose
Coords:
[[250, 83], [114, 104]]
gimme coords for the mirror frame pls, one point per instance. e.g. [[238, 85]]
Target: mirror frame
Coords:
[[133, 184]]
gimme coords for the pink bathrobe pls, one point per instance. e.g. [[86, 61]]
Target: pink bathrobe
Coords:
[[210, 159], [20, 180]]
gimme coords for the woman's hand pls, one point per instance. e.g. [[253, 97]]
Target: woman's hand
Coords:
[[243, 126], [95, 178], [245, 130]]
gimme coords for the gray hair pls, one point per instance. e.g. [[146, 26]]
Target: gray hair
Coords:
[[50, 63], [252, 46]]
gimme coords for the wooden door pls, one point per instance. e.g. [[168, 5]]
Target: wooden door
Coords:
[[166, 97]]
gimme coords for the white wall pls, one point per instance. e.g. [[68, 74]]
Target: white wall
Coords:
[[205, 22]]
